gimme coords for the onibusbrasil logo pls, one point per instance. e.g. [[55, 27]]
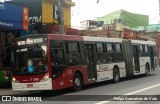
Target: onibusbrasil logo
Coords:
[[14, 98]]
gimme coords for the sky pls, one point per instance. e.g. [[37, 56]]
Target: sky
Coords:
[[90, 9]]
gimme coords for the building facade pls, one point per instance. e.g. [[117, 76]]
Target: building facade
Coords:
[[149, 28], [126, 18], [12, 20], [43, 14]]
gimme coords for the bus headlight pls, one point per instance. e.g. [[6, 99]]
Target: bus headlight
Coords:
[[14, 80], [46, 77]]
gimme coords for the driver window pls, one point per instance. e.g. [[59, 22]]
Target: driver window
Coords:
[[57, 53], [57, 57]]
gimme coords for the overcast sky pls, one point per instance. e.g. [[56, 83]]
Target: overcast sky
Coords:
[[89, 9]]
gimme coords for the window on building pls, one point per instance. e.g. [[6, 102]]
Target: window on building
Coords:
[[55, 11]]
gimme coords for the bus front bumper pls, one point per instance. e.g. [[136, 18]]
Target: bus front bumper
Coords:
[[44, 85]]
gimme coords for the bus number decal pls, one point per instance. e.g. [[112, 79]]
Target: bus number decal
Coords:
[[101, 68], [103, 72]]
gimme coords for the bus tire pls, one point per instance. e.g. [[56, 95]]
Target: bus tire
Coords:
[[77, 82], [147, 70], [116, 76]]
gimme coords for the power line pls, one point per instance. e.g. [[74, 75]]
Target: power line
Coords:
[[61, 16]]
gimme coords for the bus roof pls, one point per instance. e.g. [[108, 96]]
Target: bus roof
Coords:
[[101, 39], [30, 36], [89, 38], [119, 40], [143, 42], [65, 37]]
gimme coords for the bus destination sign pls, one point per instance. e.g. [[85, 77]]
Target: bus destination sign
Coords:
[[31, 41]]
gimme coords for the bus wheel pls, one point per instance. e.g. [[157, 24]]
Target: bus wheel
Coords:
[[77, 82], [147, 70], [116, 76]]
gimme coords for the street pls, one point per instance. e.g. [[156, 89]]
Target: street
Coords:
[[138, 85]]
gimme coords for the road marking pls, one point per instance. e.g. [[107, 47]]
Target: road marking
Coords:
[[134, 92]]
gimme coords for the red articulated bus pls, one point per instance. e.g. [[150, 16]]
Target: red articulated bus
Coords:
[[54, 62]]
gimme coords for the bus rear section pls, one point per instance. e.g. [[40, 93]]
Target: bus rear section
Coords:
[[140, 57]]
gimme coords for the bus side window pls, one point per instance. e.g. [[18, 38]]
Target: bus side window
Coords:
[[57, 56], [57, 53], [118, 52], [74, 56], [100, 53], [155, 51], [140, 50], [146, 51], [109, 56], [109, 48]]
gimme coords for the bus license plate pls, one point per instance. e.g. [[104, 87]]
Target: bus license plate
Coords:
[[29, 85]]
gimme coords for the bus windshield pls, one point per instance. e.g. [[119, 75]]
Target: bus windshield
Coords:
[[30, 60]]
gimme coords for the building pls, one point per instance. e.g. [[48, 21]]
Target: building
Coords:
[[89, 24], [116, 24], [149, 28], [150, 31], [126, 18], [12, 20], [43, 14]]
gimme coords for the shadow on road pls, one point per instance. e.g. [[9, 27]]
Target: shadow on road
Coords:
[[121, 80]]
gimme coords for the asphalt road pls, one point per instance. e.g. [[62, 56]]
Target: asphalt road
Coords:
[[100, 92]]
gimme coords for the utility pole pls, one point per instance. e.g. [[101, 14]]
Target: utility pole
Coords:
[[61, 16], [159, 12]]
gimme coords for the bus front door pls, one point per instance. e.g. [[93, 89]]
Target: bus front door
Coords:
[[151, 53], [90, 60], [136, 59]]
